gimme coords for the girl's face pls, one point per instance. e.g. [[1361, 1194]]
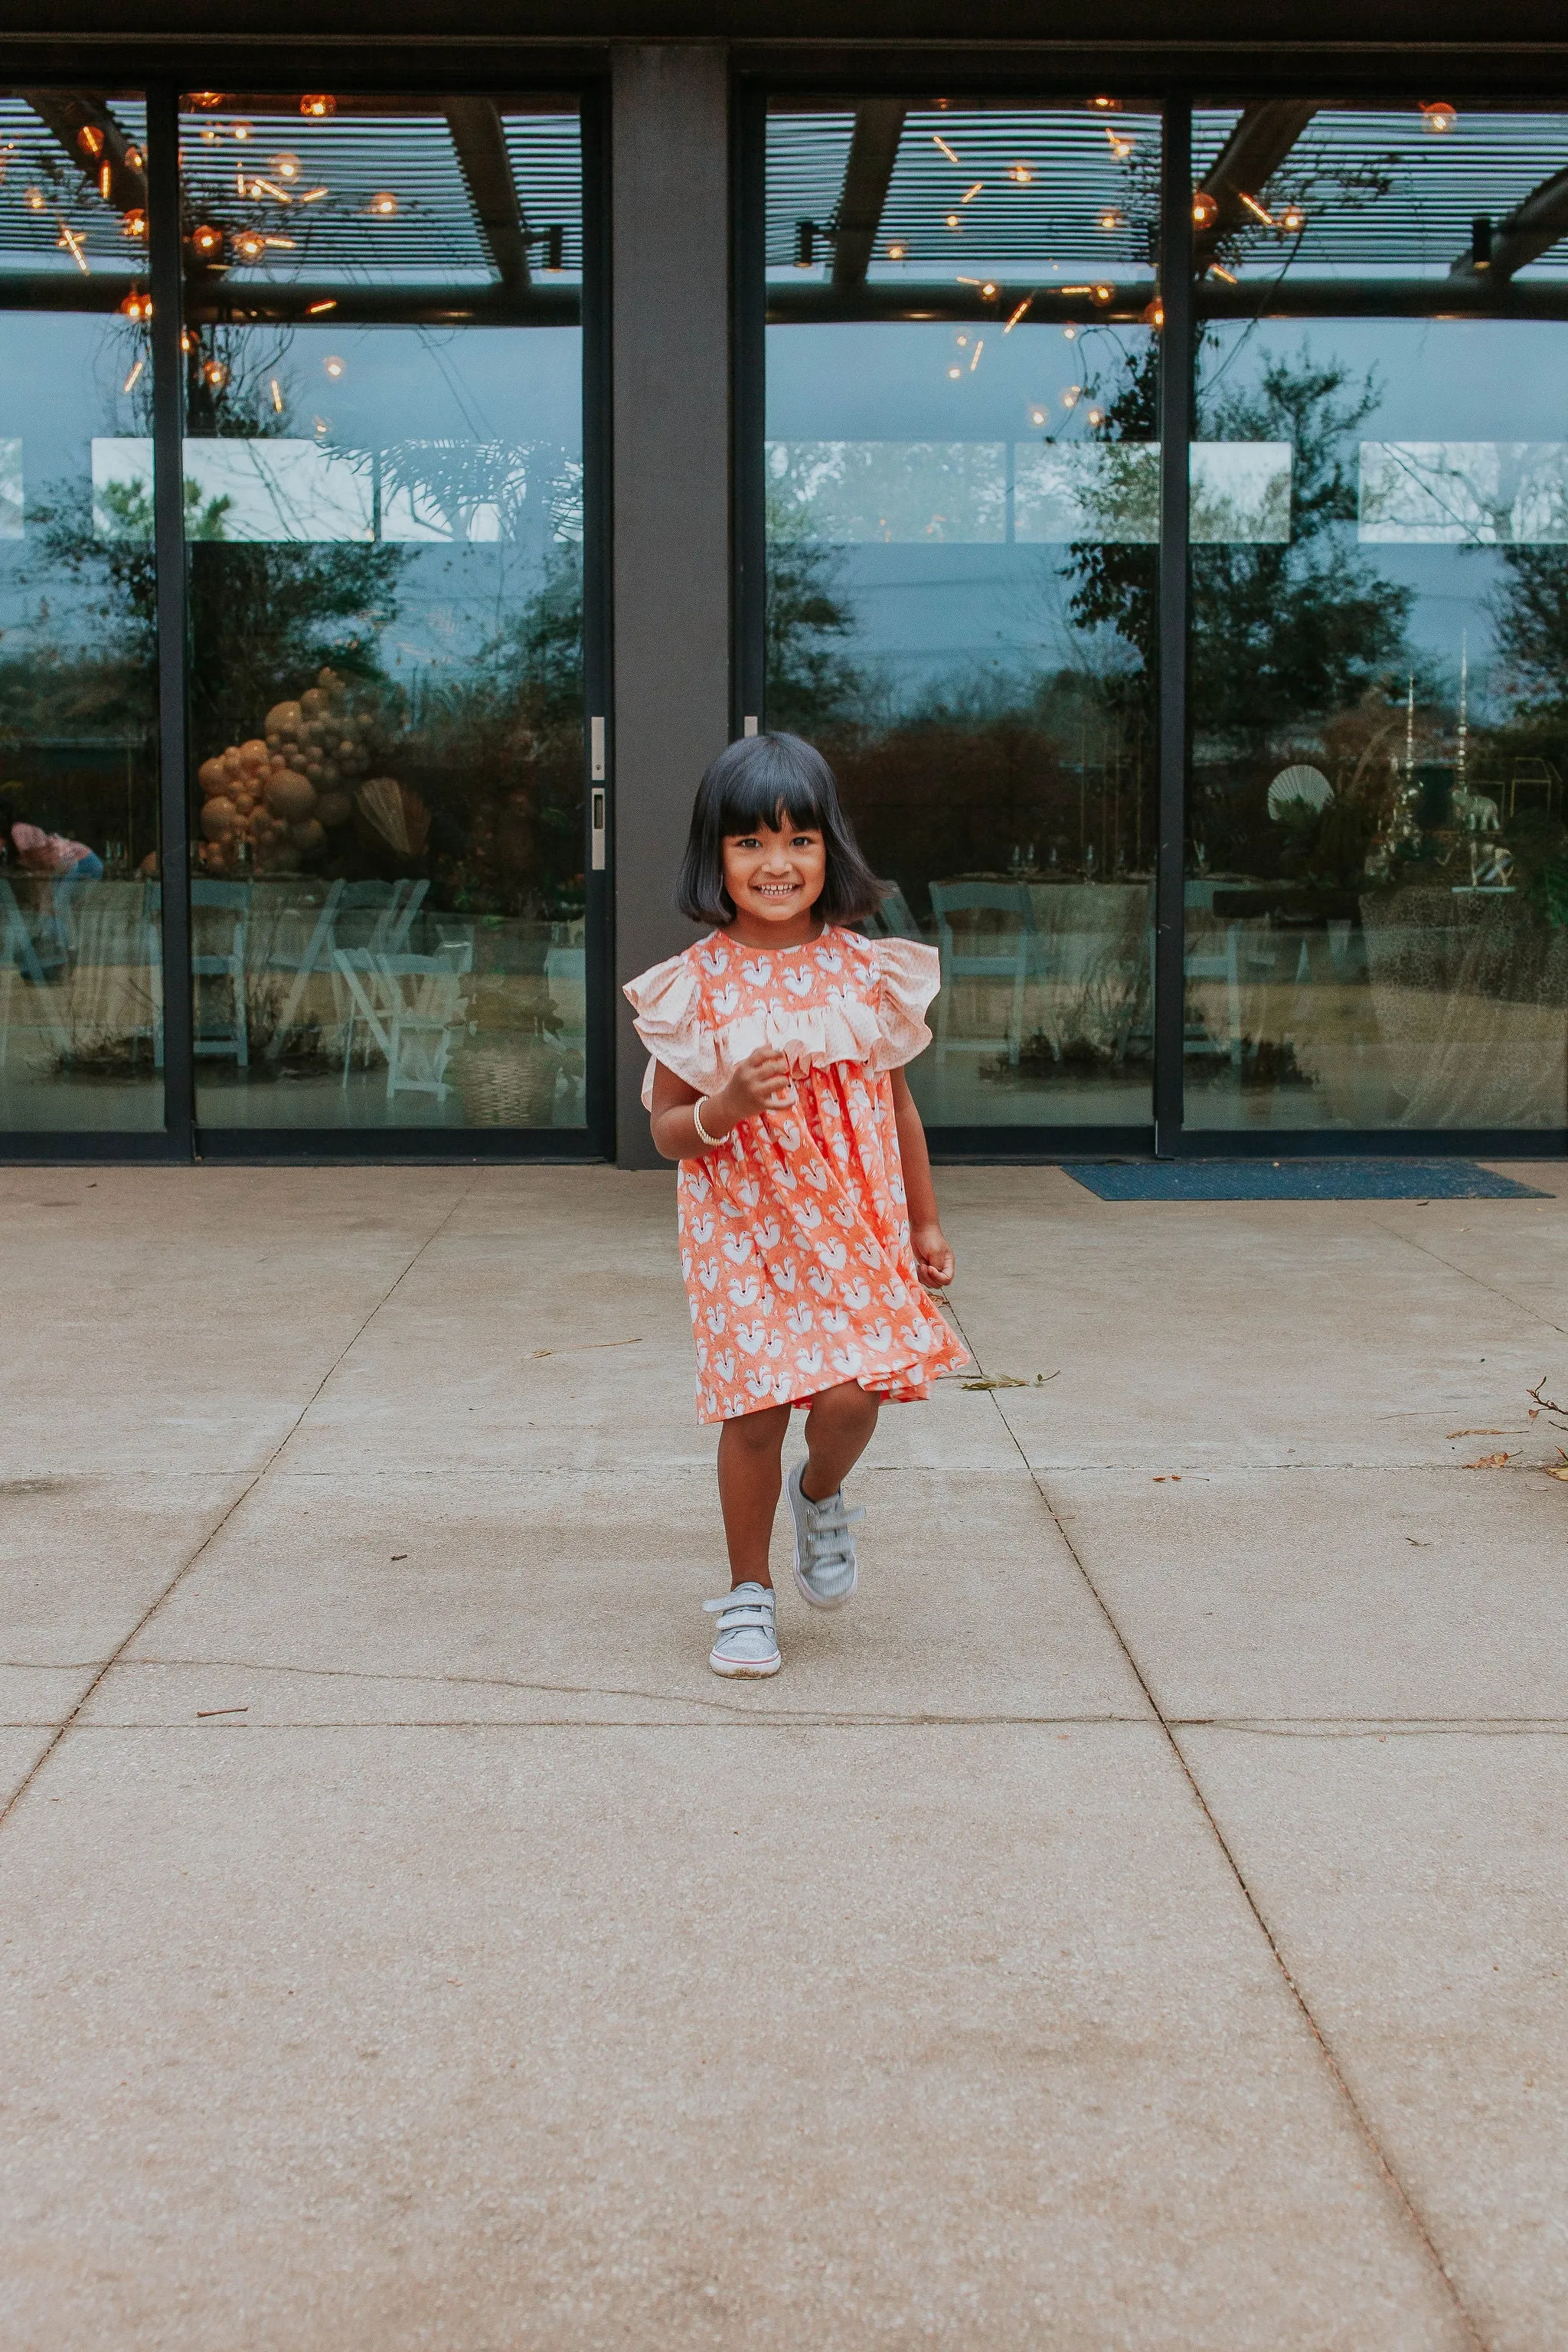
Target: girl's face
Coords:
[[773, 875]]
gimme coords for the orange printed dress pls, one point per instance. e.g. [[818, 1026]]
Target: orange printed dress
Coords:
[[795, 1236]]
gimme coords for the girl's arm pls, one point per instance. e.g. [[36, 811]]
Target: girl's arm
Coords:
[[933, 1258], [759, 1082]]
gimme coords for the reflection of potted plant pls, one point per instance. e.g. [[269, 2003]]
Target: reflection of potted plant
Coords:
[[510, 1064]]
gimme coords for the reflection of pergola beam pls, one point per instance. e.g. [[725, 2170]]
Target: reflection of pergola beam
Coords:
[[486, 166], [873, 152], [218, 302], [1300, 298], [1257, 147], [1531, 229], [67, 114]]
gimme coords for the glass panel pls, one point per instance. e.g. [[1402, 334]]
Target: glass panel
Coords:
[[384, 484], [80, 1008], [1377, 893], [963, 518]]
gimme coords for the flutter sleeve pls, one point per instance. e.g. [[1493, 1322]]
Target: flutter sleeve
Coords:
[[666, 1009], [908, 976]]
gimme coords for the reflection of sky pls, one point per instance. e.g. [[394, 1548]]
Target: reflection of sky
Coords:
[[926, 612], [62, 378]]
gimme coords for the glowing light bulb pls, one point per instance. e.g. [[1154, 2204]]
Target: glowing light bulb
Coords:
[[134, 158], [896, 252], [1110, 219], [952, 220], [1037, 415], [240, 130], [384, 204], [1020, 174], [249, 246], [1439, 116], [1096, 416], [105, 179], [1155, 313], [207, 241], [962, 340], [318, 104], [945, 148], [1101, 293], [214, 375], [988, 290], [1069, 334], [35, 200], [1071, 395], [1105, 105], [207, 97], [284, 166], [1205, 209], [89, 138], [334, 366], [136, 306], [1293, 219], [955, 371], [316, 309]]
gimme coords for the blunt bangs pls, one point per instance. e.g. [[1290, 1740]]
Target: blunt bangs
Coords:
[[772, 780]]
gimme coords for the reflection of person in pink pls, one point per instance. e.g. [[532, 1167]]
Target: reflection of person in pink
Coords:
[[51, 852]]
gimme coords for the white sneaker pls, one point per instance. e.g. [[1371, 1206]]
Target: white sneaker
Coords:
[[747, 1646], [825, 1564]]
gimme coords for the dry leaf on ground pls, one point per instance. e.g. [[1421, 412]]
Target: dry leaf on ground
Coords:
[[1489, 1462]]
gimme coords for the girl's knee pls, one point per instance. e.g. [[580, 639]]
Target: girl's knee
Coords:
[[849, 1404]]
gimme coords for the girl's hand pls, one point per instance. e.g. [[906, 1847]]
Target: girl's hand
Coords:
[[761, 1081], [933, 1259]]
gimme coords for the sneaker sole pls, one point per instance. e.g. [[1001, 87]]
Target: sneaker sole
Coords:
[[746, 1670], [814, 1600]]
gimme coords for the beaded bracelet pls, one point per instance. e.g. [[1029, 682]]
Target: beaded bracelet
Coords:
[[712, 1141]]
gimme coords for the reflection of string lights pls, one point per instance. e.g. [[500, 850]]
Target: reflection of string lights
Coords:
[[1155, 313], [134, 223], [214, 375], [1069, 334], [1293, 219], [963, 342], [955, 371], [241, 130], [134, 158], [1071, 395], [105, 179], [896, 252], [1257, 210], [131, 382], [1037, 415], [1439, 116], [1096, 416], [1205, 209], [1101, 293], [974, 360], [945, 148], [1105, 105], [277, 396], [312, 195], [952, 220], [383, 205], [89, 138], [207, 97], [316, 309], [136, 306], [988, 290], [284, 166], [319, 422], [1215, 271], [1020, 174], [1119, 147], [970, 194], [334, 366], [249, 244], [207, 241], [35, 200], [72, 244], [318, 104], [1017, 314]]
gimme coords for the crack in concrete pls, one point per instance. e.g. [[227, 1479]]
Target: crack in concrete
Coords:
[[1170, 1727], [20, 1790]]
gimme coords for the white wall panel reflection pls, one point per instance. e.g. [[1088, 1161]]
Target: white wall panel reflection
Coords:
[[1464, 493], [277, 491], [856, 493]]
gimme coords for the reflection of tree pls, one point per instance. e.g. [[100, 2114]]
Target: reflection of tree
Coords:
[[1529, 613], [811, 685]]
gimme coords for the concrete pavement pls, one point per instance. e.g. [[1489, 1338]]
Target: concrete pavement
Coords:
[[1136, 1922]]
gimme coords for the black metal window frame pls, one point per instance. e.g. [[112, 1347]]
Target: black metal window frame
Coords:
[[1167, 1135], [184, 1138]]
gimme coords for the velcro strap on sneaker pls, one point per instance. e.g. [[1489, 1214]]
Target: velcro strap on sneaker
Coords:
[[731, 1613]]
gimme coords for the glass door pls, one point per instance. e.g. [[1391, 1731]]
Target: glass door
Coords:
[[383, 488], [961, 522], [81, 1028]]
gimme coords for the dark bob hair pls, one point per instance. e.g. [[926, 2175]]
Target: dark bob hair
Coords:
[[772, 780]]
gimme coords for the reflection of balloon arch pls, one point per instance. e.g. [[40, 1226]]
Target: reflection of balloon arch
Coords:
[[1295, 791]]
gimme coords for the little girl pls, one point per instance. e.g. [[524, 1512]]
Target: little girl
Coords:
[[807, 1217]]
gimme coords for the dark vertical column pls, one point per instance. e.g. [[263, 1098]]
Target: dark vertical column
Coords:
[[1175, 438], [598, 861], [750, 300], [671, 374], [165, 260]]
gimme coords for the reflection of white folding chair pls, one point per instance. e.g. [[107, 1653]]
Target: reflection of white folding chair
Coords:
[[390, 906], [1015, 954], [893, 918], [412, 1007], [225, 962]]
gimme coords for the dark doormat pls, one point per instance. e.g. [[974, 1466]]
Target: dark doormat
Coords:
[[1298, 1179]]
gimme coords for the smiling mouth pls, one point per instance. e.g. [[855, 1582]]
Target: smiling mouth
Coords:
[[774, 889]]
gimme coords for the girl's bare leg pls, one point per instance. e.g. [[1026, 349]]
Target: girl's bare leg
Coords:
[[749, 1484], [837, 1431]]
